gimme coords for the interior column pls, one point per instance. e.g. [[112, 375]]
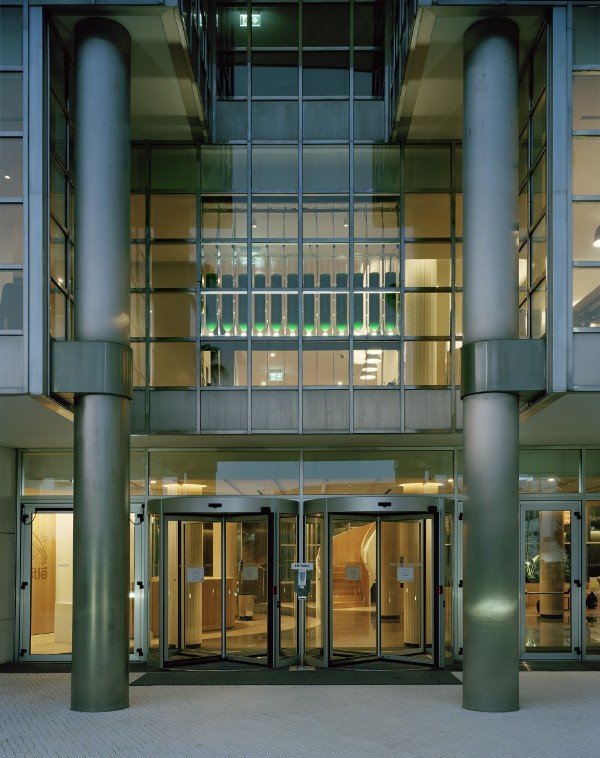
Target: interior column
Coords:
[[491, 431], [99, 680]]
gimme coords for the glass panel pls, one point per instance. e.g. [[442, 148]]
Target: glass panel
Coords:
[[326, 25], [11, 233], [11, 167], [274, 217], [538, 129], [376, 216], [139, 363], [249, 595], [427, 264], [313, 550], [274, 367], [137, 216], [172, 364], [353, 587], [448, 582], [223, 365], [369, 23], [586, 101], [224, 315], [274, 25], [592, 578], [275, 120], [11, 97], [57, 314], [547, 581], [51, 583], [325, 313], [192, 472], [586, 222], [48, 473], [326, 368], [369, 74], [325, 216], [232, 30], [538, 190], [274, 167], [375, 367], [288, 643], [326, 168], [592, 470], [548, 471], [173, 266], [275, 74], [427, 314], [586, 297], [426, 215], [138, 169], [172, 314], [586, 47], [232, 76], [137, 261], [377, 168], [173, 216], [586, 165], [376, 265], [403, 603], [11, 36], [224, 217], [363, 472], [223, 168], [58, 193], [326, 119], [173, 169], [325, 74], [538, 73], [11, 300], [132, 586], [538, 311], [224, 266], [426, 168], [427, 363], [154, 590], [538, 251], [277, 263], [137, 309]]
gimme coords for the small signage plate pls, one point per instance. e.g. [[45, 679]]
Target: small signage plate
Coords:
[[353, 573], [303, 566], [194, 574], [250, 573], [405, 573]]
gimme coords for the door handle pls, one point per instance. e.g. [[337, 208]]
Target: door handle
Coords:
[[578, 582]]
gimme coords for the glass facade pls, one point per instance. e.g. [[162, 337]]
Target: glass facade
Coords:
[[533, 183], [586, 174], [11, 170]]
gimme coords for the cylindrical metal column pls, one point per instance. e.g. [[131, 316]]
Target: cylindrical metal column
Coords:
[[491, 431], [99, 680]]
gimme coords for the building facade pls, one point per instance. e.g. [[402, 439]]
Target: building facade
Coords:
[[236, 244]]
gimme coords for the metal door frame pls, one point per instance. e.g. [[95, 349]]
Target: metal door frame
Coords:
[[375, 508], [28, 510], [576, 585], [191, 508]]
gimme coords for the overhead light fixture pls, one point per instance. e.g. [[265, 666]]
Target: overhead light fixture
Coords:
[[367, 376], [596, 242], [373, 361], [7, 176]]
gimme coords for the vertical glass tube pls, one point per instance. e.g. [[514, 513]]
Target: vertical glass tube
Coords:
[[211, 314], [292, 304], [276, 319], [391, 303], [341, 303], [260, 305], [374, 304], [242, 315], [227, 304], [325, 304], [309, 305], [359, 316]]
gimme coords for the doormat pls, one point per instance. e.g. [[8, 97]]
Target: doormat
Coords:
[[286, 677]]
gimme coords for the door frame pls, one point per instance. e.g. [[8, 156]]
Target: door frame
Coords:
[[376, 508], [28, 509], [576, 585], [219, 508]]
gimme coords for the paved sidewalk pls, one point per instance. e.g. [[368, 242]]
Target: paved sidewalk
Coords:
[[559, 716]]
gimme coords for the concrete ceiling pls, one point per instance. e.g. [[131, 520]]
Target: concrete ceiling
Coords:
[[165, 103], [432, 102]]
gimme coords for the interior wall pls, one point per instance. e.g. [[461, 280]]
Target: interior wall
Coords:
[[8, 493]]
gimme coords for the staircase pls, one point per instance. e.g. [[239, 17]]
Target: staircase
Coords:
[[347, 593]]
